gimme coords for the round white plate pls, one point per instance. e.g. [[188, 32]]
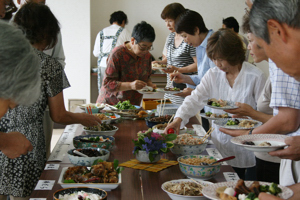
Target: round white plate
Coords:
[[143, 92], [210, 190], [222, 123], [230, 105], [212, 118], [168, 92], [182, 197], [276, 140]]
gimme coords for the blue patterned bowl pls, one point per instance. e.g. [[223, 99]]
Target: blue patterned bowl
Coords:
[[199, 171], [87, 161], [82, 141], [182, 150]]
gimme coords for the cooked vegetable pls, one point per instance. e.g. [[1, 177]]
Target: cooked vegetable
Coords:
[[125, 105]]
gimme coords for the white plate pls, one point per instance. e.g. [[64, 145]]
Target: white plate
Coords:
[[210, 190], [168, 92], [107, 133], [230, 105], [104, 186], [182, 197], [276, 140], [97, 105], [212, 118], [222, 123]]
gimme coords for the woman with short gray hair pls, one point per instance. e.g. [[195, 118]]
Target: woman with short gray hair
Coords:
[[19, 85]]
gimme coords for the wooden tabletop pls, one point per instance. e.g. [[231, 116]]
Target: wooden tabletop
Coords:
[[136, 184]]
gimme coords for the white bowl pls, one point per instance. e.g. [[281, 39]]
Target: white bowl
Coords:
[[183, 197], [107, 133], [183, 149], [86, 161]]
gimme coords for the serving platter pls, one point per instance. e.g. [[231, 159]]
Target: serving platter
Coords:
[[104, 186], [212, 118], [222, 123], [276, 141], [210, 190]]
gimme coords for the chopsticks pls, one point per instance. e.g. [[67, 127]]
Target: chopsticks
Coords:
[[171, 119], [89, 109], [196, 182], [174, 76], [169, 83], [207, 134], [162, 107]]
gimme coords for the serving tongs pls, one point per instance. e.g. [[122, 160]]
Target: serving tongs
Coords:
[[221, 160]]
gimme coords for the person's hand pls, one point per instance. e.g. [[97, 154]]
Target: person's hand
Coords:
[[174, 125], [242, 110], [89, 120], [179, 77], [185, 92], [234, 133], [265, 196], [15, 145], [137, 85], [292, 152], [170, 69]]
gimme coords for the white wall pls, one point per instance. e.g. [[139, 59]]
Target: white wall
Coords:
[[81, 20]]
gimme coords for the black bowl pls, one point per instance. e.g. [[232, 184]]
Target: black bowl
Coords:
[[71, 190], [151, 124]]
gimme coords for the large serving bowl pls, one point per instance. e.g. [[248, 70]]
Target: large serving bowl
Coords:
[[102, 193], [87, 161], [82, 141], [107, 133], [181, 149], [199, 171], [162, 120]]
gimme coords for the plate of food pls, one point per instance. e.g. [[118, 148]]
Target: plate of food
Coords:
[[159, 66], [237, 123], [82, 176], [102, 129], [147, 90], [92, 105], [182, 189], [214, 116], [260, 142], [241, 188], [170, 90], [220, 104]]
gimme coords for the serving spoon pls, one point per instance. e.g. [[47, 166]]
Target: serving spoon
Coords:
[[221, 160], [79, 153]]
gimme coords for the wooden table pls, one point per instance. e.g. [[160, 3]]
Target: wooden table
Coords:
[[136, 184]]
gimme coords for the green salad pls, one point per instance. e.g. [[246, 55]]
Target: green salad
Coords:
[[125, 105]]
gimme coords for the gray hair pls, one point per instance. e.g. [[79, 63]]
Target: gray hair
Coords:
[[19, 67], [283, 11]]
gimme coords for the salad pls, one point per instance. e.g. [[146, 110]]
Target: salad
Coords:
[[125, 105]]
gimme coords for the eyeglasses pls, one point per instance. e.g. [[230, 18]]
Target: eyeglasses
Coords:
[[145, 49], [10, 6]]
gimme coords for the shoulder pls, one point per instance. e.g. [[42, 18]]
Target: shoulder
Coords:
[[48, 63], [251, 69]]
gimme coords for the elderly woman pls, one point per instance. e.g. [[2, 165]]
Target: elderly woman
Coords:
[[178, 55], [19, 85], [129, 68], [232, 79], [19, 176]]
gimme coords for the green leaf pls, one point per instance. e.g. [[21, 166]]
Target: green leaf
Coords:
[[119, 169], [69, 181], [171, 137], [97, 161], [164, 150], [116, 163], [170, 145]]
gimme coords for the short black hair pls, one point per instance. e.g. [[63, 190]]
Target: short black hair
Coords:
[[231, 22], [188, 21], [171, 11], [119, 17], [38, 23], [143, 32]]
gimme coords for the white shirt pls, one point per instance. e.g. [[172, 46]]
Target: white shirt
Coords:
[[247, 88], [110, 31]]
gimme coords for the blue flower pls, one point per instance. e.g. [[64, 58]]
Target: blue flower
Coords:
[[147, 140], [145, 147], [164, 145]]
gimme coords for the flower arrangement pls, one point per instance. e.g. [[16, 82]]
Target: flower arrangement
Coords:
[[153, 143]]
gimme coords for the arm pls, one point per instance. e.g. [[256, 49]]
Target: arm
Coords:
[[187, 69], [59, 114], [96, 51], [14, 144], [181, 78]]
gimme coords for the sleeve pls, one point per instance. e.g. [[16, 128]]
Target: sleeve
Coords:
[[194, 103], [259, 86], [55, 77], [58, 51], [111, 81], [96, 51], [192, 51]]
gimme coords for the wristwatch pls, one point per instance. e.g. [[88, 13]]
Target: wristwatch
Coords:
[[250, 132]]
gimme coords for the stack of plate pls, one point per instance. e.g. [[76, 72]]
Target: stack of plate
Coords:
[[167, 109]]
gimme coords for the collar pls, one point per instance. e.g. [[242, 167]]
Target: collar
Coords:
[[204, 42]]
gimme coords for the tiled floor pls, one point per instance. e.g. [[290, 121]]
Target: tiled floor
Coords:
[[55, 136]]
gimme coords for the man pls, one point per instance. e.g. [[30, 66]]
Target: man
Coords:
[[276, 25]]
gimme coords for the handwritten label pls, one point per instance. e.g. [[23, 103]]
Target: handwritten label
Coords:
[[52, 167], [45, 185], [215, 153], [231, 176]]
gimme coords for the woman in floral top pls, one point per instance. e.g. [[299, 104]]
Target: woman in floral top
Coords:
[[129, 68]]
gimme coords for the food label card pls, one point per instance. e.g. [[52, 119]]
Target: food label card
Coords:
[[45, 185], [51, 167], [231, 176], [38, 199], [215, 153]]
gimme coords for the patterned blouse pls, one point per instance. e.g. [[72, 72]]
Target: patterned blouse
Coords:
[[124, 66]]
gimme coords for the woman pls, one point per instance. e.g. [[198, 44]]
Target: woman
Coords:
[[232, 79], [19, 85], [178, 55], [129, 68], [19, 176]]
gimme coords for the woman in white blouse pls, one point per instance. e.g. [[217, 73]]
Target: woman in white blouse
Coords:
[[232, 79]]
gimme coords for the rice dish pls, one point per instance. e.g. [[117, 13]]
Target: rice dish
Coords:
[[77, 195]]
